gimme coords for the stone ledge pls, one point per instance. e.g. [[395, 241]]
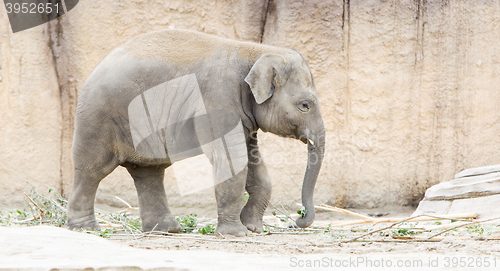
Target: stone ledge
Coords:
[[475, 190], [485, 207], [477, 171], [463, 188]]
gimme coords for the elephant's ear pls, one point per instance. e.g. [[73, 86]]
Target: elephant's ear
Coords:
[[264, 76]]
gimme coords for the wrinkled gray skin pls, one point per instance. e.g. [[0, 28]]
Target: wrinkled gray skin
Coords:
[[269, 88]]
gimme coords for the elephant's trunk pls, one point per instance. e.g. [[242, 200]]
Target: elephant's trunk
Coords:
[[316, 150]]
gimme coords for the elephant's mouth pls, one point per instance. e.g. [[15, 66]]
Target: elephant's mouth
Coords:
[[306, 139]]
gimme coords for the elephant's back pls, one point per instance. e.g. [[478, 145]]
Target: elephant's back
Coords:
[[154, 58], [186, 46], [118, 79], [159, 56]]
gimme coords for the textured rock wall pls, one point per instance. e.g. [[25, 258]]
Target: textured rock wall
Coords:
[[30, 116], [408, 90]]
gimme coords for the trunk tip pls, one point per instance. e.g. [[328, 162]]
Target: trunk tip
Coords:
[[307, 220]]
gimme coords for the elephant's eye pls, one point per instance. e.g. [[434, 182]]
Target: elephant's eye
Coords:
[[304, 106]]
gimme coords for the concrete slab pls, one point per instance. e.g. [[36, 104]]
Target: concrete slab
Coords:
[[49, 248], [45, 248]]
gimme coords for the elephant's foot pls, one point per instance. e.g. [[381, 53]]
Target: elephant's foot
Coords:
[[171, 227], [234, 228], [90, 225], [167, 224], [251, 220]]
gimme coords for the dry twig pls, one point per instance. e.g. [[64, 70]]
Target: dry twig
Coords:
[[463, 225], [126, 203], [347, 212], [388, 240], [413, 219], [396, 220], [284, 212], [40, 212], [291, 229], [382, 229], [176, 236]]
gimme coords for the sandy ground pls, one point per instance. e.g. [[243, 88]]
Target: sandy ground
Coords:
[[463, 248], [279, 249]]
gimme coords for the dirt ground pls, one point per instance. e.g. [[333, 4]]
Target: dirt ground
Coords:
[[480, 243], [278, 248]]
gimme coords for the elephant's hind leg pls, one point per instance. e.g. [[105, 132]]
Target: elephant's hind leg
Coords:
[[88, 175], [153, 206]]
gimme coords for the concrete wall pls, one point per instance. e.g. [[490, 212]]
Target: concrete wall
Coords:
[[408, 90], [30, 116]]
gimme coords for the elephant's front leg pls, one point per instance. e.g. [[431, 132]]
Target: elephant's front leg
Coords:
[[258, 186], [227, 152], [229, 195]]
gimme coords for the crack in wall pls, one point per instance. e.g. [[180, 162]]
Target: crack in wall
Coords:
[[419, 53], [50, 44], [346, 24], [343, 14], [67, 98], [420, 187], [264, 20], [343, 195]]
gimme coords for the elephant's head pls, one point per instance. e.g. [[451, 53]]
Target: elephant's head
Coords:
[[287, 105]]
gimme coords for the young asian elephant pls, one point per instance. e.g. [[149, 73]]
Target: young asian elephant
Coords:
[[168, 95]]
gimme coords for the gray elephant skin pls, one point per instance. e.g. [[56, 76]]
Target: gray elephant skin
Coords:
[[168, 95]]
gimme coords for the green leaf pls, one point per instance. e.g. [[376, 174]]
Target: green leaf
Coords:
[[188, 223], [208, 229], [302, 212]]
